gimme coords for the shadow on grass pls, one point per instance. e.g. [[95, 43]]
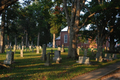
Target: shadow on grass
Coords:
[[31, 67]]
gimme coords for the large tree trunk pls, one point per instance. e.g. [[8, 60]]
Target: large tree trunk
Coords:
[[15, 40], [100, 39], [53, 40], [112, 43], [38, 38], [22, 41], [2, 34], [99, 48], [26, 39]]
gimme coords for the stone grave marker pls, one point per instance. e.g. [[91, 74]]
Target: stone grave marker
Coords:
[[40, 47], [57, 56], [32, 49], [62, 50], [29, 48], [108, 57], [43, 52], [14, 48], [21, 53], [48, 60], [114, 56], [105, 49], [37, 49], [78, 50], [9, 58], [59, 48], [83, 60], [85, 52], [22, 47]]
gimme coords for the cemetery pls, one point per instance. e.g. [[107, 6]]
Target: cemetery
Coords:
[[35, 66], [59, 39]]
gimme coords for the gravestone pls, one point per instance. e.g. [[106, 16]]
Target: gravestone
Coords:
[[85, 52], [59, 48], [83, 60], [62, 50], [108, 49], [105, 49], [78, 51], [29, 48], [40, 47], [37, 49], [114, 56], [57, 56], [32, 49], [9, 58], [43, 52], [108, 57], [14, 48], [22, 47], [21, 53], [17, 47], [48, 60]]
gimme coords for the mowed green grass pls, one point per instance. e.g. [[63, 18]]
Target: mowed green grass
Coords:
[[30, 67]]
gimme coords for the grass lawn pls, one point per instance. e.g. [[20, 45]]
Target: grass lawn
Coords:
[[30, 67]]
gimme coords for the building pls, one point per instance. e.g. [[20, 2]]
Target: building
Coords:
[[64, 39]]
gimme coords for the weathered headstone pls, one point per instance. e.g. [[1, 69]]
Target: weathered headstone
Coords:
[[40, 47], [78, 51], [85, 52], [14, 48], [33, 49], [108, 49], [62, 50], [108, 57], [9, 58], [44, 53], [105, 49], [48, 60], [59, 48], [37, 49], [21, 53], [29, 48], [114, 56], [83, 60], [57, 56]]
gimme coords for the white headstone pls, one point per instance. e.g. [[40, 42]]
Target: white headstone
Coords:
[[37, 49], [9, 58], [21, 53], [83, 60], [59, 48]]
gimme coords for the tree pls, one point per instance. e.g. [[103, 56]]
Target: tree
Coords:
[[5, 3], [56, 22], [73, 21]]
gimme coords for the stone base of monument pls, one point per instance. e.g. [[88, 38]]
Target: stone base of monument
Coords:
[[108, 59], [58, 60], [100, 59], [83, 60], [47, 64]]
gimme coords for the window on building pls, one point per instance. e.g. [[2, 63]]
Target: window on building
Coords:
[[65, 38]]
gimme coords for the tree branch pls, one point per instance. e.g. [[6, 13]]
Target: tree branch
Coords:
[[6, 4], [66, 12]]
